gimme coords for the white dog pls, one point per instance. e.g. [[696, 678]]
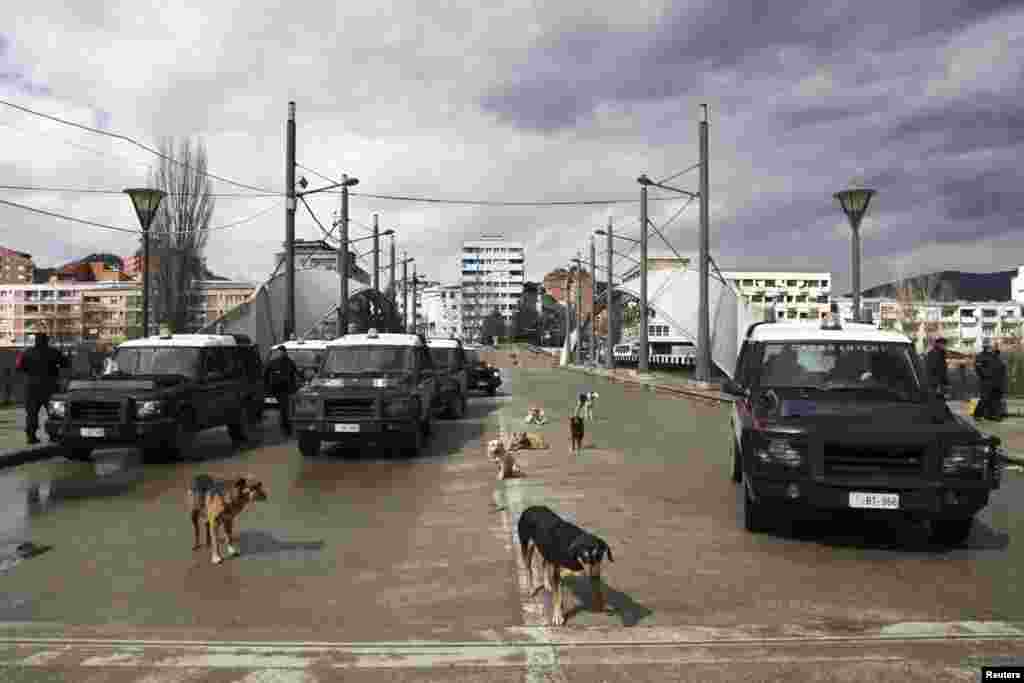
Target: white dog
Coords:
[[585, 405], [535, 416]]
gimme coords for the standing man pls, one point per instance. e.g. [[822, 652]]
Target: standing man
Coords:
[[999, 382], [935, 365], [985, 368], [282, 380], [41, 366]]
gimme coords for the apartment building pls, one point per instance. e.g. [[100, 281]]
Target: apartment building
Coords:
[[442, 310], [16, 267], [422, 285], [797, 295], [211, 299], [493, 273]]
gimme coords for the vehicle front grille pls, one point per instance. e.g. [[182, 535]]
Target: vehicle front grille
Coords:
[[841, 459], [341, 409], [96, 411]]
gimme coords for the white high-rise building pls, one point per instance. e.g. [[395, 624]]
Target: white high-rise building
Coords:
[[493, 272]]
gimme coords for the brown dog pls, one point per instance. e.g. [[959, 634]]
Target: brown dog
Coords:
[[575, 435], [220, 502], [506, 462]]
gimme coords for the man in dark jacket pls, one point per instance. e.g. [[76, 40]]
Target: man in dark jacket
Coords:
[[999, 382], [985, 366], [41, 366], [935, 366], [282, 380]]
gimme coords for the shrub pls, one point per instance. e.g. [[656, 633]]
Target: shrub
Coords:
[[1015, 372]]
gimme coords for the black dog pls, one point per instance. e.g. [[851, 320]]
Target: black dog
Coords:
[[564, 548], [576, 432]]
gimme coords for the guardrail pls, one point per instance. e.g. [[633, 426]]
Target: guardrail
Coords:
[[658, 359]]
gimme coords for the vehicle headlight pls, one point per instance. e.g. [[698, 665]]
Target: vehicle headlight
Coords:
[[57, 408], [305, 405], [383, 383], [144, 409], [398, 408], [962, 458], [781, 452]]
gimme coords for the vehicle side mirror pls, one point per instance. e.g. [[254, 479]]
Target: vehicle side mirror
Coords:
[[734, 388]]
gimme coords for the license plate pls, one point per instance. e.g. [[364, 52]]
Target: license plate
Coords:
[[346, 428], [875, 501], [93, 433]]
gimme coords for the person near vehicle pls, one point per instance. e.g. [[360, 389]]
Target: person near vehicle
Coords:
[[999, 382], [985, 367], [41, 366], [282, 380], [935, 366]]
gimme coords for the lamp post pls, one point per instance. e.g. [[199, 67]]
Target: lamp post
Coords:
[[415, 278], [644, 182], [346, 183], [146, 202], [391, 277], [376, 255], [855, 201], [405, 290], [593, 310], [610, 360]]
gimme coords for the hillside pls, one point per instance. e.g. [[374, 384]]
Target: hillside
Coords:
[[951, 285], [43, 275]]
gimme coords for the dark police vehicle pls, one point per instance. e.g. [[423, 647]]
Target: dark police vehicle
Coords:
[[839, 417], [157, 393]]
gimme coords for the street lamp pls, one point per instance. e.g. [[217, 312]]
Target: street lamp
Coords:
[[345, 183], [855, 201], [146, 202]]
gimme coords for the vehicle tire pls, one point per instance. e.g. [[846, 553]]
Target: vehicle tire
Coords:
[[184, 436], [756, 515], [737, 466], [309, 445], [241, 430], [416, 440], [78, 454], [491, 391], [951, 532]]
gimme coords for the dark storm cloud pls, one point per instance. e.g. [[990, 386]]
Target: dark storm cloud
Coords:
[[979, 123], [566, 78]]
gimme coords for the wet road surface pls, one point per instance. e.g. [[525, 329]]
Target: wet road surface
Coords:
[[391, 565]]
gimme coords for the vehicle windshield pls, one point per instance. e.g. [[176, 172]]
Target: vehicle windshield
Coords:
[[443, 358], [306, 358], [150, 360], [868, 367], [368, 359]]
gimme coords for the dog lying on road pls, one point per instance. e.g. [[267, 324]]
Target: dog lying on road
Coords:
[[525, 441], [535, 416], [220, 503], [576, 432], [507, 466], [564, 549]]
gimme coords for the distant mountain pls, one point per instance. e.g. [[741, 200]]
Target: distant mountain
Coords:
[[950, 285]]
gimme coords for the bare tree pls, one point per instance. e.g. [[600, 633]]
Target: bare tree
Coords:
[[180, 230]]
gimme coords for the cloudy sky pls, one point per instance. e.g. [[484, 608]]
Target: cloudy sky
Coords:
[[523, 101]]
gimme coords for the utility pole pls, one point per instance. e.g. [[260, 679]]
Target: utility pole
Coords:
[[376, 255], [415, 276], [593, 310], [391, 284], [704, 345], [642, 365], [610, 360], [405, 291], [343, 260], [568, 316], [289, 223]]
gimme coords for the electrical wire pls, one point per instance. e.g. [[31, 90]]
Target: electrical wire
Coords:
[[77, 145], [676, 175], [138, 144], [70, 218], [242, 221], [83, 190], [472, 202]]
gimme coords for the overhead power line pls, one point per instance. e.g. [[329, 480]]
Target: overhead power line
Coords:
[[132, 141], [86, 190], [70, 218], [676, 175], [484, 202]]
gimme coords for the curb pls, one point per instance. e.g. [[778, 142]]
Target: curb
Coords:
[[15, 457], [717, 398]]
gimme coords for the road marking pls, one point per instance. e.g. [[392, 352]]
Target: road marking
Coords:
[[541, 663]]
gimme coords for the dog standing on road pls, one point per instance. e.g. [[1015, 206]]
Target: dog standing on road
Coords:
[[564, 549], [507, 466], [576, 432], [220, 502]]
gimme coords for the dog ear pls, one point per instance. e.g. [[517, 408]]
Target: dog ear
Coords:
[[610, 558]]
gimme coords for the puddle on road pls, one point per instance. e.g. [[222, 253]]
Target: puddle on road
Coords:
[[35, 490]]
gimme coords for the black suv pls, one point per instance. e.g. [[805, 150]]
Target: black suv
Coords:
[[157, 393], [482, 375], [833, 417], [371, 388]]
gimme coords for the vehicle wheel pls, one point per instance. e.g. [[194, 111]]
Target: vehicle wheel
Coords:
[[491, 391], [241, 430], [756, 515], [184, 436], [953, 532], [78, 454], [737, 467], [309, 445], [416, 440]]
